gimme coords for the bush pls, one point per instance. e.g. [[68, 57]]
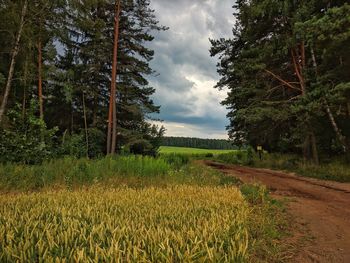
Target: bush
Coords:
[[75, 144], [175, 159], [26, 139]]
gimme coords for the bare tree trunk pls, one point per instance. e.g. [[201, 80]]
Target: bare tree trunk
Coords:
[[112, 117], [299, 70], [25, 82], [40, 80], [337, 131], [86, 128], [341, 138], [13, 61], [94, 114]]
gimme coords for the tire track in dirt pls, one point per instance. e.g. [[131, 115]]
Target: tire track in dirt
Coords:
[[323, 206]]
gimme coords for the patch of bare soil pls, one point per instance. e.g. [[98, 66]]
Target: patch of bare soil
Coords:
[[322, 206]]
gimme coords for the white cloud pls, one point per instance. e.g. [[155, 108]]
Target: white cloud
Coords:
[[188, 130], [184, 88]]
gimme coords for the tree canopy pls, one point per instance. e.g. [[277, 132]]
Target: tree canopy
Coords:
[[57, 56], [287, 70]]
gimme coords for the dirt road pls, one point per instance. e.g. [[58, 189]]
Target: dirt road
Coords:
[[323, 207]]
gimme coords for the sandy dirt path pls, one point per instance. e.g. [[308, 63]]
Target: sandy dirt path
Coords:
[[322, 207]]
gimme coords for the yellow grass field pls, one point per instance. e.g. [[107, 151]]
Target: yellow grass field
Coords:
[[174, 224]]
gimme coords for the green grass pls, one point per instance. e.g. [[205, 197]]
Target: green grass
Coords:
[[334, 170], [190, 151], [131, 171]]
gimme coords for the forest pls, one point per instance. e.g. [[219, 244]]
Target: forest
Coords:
[[87, 176], [287, 70], [73, 77]]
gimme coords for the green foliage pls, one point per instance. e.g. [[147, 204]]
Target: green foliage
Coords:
[[26, 139], [176, 159], [76, 47], [238, 157], [133, 171], [75, 145], [286, 67], [254, 194], [333, 169], [145, 142]]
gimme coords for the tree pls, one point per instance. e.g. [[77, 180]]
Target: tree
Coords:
[[269, 67], [14, 53], [112, 118]]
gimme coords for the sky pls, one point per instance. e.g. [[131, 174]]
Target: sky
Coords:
[[185, 73]]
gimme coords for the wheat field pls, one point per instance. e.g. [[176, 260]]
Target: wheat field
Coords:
[[174, 224]]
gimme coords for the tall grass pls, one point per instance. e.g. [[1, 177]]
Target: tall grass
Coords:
[[70, 171], [132, 171]]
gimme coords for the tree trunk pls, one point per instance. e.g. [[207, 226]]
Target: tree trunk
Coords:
[[86, 128], [13, 61], [94, 114], [336, 129], [40, 81], [341, 138], [112, 117], [25, 83]]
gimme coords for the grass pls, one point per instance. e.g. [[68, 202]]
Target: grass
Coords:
[[334, 170], [134, 209], [196, 224], [191, 151], [131, 171], [174, 224]]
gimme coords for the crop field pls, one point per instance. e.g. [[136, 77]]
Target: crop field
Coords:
[[184, 150], [132, 209], [205, 224]]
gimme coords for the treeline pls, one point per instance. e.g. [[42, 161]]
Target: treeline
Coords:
[[198, 143], [287, 69], [73, 78]]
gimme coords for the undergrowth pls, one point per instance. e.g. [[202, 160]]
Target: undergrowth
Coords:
[[335, 170]]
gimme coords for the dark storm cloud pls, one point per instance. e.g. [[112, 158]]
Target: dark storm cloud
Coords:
[[186, 72]]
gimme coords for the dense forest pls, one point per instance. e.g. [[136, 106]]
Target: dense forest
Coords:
[[198, 143], [287, 69], [68, 66]]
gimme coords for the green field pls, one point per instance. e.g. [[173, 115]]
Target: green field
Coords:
[[184, 150]]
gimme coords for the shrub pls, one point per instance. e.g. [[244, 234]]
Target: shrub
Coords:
[[26, 139]]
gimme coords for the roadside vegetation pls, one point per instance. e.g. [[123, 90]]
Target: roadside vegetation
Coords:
[[333, 169]]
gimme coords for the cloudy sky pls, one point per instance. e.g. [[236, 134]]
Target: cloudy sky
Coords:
[[186, 72]]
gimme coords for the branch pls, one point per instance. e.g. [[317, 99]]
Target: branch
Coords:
[[281, 80], [297, 68]]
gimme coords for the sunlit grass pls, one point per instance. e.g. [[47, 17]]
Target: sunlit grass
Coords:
[[177, 224], [184, 150]]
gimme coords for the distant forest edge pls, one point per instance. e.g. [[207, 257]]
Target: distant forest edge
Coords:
[[218, 144]]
